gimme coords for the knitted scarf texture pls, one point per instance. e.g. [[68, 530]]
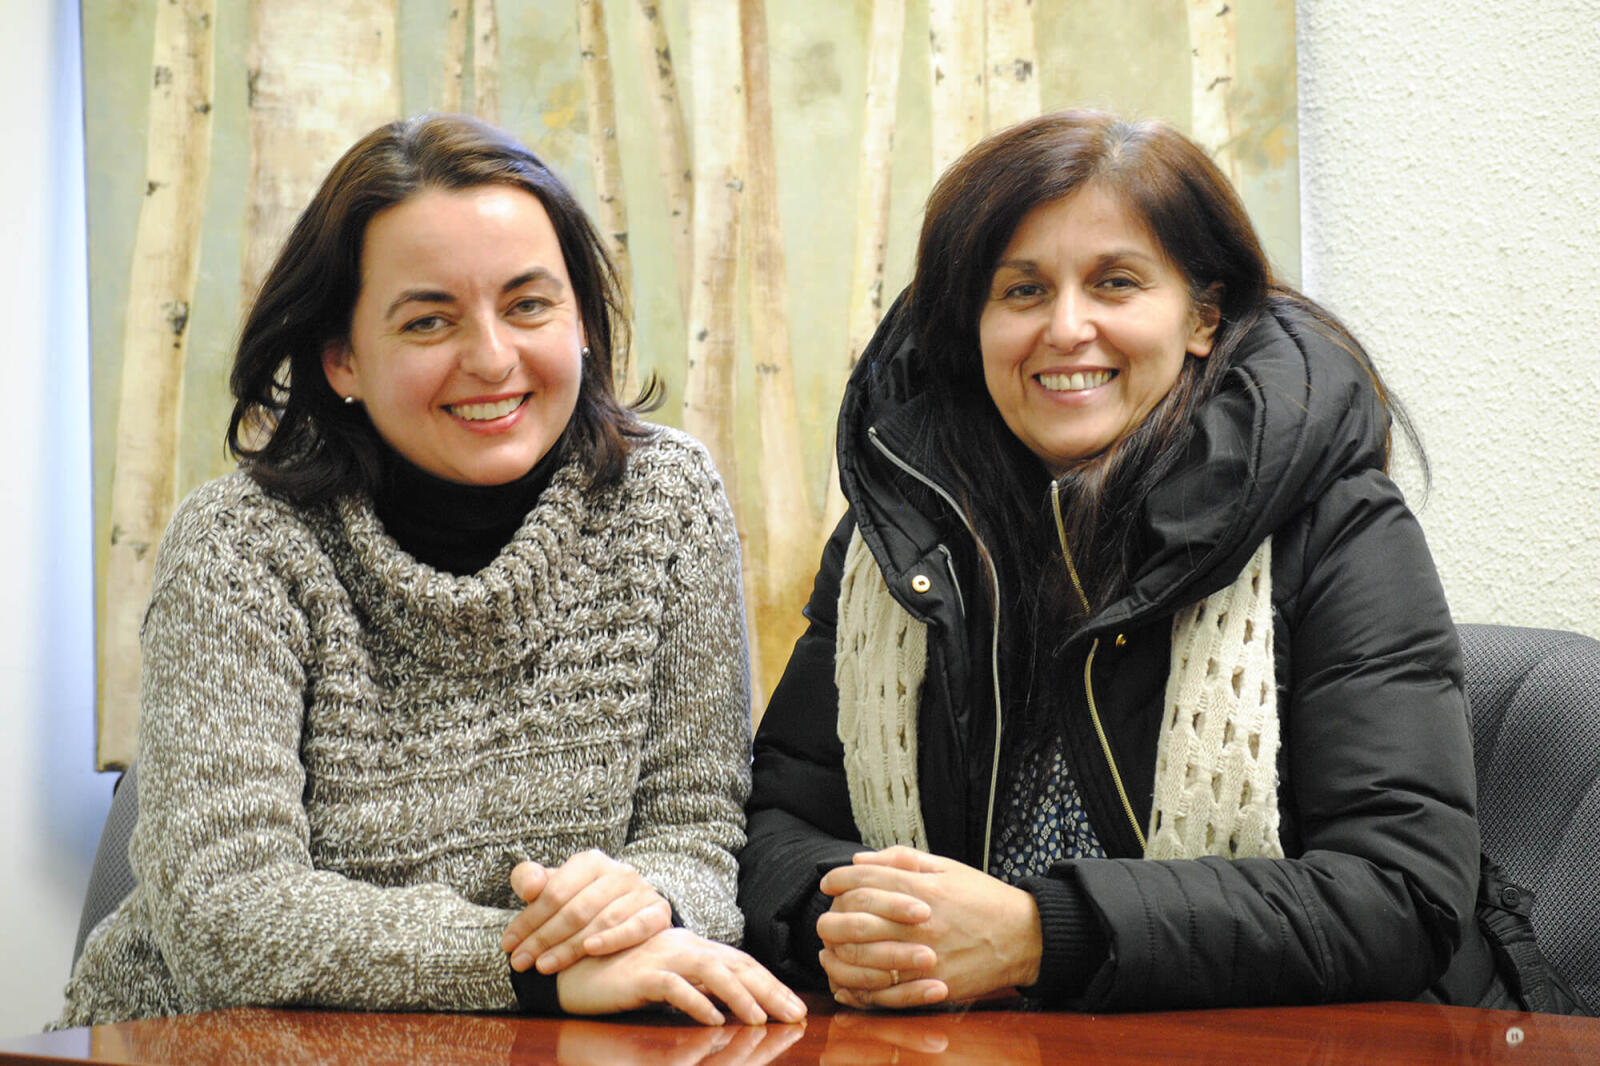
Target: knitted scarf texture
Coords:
[[1216, 789]]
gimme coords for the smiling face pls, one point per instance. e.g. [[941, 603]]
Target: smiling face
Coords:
[[1085, 327], [465, 343]]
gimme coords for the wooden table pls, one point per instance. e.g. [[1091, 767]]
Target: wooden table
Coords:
[[1367, 1033]]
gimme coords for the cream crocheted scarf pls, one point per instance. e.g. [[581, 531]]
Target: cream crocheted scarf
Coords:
[[1216, 789]]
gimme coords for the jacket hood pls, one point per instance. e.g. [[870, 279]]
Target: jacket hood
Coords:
[[1293, 414]]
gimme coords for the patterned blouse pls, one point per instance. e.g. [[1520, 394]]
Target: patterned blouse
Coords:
[[1041, 819]]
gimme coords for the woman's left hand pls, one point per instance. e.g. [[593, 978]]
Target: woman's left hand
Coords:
[[589, 905], [682, 970], [978, 934]]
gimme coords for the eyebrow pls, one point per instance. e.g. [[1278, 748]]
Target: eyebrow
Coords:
[[527, 277], [421, 296], [1030, 266], [439, 296], [1026, 266]]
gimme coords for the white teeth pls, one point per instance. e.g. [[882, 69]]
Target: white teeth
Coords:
[[483, 412], [1076, 381]]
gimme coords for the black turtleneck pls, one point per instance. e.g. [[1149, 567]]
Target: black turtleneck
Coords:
[[454, 527]]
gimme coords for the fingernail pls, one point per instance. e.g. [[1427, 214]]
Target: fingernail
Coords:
[[838, 997], [521, 961], [546, 963]]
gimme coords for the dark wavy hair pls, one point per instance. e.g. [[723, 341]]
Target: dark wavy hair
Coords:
[[1197, 220], [289, 429]]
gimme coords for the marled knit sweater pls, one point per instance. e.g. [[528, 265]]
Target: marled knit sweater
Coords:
[[343, 752]]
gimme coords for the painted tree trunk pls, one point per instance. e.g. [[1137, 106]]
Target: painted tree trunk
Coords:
[[1214, 63], [672, 140], [1012, 89], [455, 57], [166, 257], [788, 525], [323, 73], [709, 381], [872, 199], [486, 60], [606, 162], [956, 66]]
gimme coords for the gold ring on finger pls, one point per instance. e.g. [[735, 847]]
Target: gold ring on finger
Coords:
[[894, 977]]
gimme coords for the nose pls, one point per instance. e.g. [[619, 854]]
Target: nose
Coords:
[[1071, 320], [488, 351]]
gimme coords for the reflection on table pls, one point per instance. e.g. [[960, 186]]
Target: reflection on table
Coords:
[[1370, 1033]]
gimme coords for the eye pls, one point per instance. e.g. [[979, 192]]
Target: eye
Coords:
[[424, 326], [1023, 290], [529, 305], [1119, 283]]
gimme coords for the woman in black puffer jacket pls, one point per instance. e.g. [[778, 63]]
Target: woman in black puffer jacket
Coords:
[[1129, 665]]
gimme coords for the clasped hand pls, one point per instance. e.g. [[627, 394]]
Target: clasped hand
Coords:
[[909, 929], [605, 932], [589, 905]]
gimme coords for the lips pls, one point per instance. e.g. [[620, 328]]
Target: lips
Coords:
[[487, 412], [1077, 381]]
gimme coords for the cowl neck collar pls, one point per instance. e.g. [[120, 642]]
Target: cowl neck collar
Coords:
[[454, 527], [475, 623]]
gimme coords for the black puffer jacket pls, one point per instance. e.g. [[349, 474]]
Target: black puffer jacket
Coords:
[[1376, 896]]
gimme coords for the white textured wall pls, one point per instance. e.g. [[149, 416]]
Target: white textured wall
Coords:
[[1450, 208], [51, 803]]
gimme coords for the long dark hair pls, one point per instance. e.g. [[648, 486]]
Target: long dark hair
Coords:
[[289, 429], [1196, 219]]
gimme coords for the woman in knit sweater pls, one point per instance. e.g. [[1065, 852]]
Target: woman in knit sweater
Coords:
[[444, 703], [1129, 681]]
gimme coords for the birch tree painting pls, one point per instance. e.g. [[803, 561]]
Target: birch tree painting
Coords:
[[756, 169], [1213, 74], [323, 72], [605, 161], [671, 138], [787, 547], [1011, 86], [166, 259], [486, 59]]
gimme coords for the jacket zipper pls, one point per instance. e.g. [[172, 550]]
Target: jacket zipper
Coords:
[[994, 641], [1088, 666]]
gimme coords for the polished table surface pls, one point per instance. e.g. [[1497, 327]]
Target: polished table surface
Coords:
[[1368, 1033]]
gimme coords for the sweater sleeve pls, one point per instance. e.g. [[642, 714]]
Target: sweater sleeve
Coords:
[[222, 846], [688, 810], [801, 825], [1378, 888]]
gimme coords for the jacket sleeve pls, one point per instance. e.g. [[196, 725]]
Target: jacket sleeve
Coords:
[[222, 845], [800, 821], [688, 811], [1377, 774]]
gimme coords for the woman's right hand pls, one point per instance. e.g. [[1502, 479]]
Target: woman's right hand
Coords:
[[683, 970], [589, 905]]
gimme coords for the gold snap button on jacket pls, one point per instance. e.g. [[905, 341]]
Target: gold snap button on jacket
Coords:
[[920, 583]]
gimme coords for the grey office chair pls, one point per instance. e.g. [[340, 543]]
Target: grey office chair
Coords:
[[111, 878], [1535, 696]]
